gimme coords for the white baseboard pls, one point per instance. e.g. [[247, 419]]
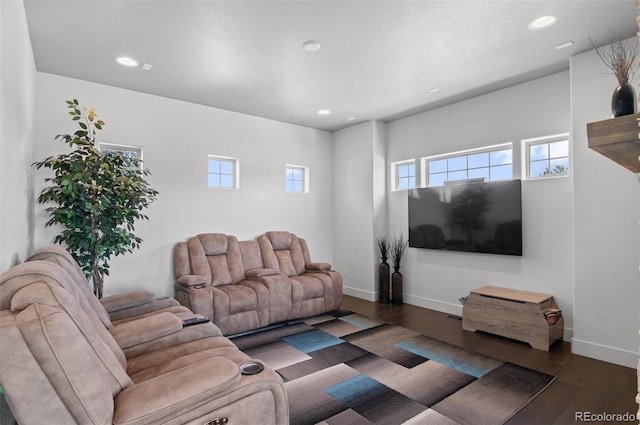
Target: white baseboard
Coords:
[[606, 353], [449, 308], [360, 293], [455, 309]]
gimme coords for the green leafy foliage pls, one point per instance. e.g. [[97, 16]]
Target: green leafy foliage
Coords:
[[557, 170], [98, 197]]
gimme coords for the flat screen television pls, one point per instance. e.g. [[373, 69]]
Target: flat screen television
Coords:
[[473, 217]]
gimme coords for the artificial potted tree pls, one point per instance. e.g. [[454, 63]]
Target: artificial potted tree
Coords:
[[98, 196]]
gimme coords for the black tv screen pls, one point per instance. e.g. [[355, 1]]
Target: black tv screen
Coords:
[[473, 217]]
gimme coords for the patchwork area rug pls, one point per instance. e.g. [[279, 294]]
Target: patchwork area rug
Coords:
[[344, 368]]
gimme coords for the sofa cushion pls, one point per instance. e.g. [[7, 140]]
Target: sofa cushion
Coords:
[[241, 298], [312, 287], [163, 397], [219, 266], [146, 329]]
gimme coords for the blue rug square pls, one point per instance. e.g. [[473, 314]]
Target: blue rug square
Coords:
[[313, 340], [358, 390]]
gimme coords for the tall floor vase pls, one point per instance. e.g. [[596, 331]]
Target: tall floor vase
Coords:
[[384, 281], [396, 286]]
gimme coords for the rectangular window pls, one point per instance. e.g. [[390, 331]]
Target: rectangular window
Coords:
[[491, 163], [131, 152], [296, 179], [404, 175], [547, 156], [223, 172]]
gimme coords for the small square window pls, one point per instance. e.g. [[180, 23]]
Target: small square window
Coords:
[[548, 156], [296, 179], [404, 175], [222, 172]]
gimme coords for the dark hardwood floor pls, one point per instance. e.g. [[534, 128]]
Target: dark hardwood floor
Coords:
[[582, 385]]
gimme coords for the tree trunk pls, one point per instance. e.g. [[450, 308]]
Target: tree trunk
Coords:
[[98, 282]]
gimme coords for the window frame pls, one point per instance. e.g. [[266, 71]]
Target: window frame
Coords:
[[424, 163], [119, 147], [305, 178], [235, 174], [526, 155], [395, 175]]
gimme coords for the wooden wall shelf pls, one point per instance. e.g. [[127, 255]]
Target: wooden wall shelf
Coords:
[[618, 139]]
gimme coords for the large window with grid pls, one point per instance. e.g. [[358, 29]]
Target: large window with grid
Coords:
[[547, 156], [488, 164], [403, 175], [223, 172]]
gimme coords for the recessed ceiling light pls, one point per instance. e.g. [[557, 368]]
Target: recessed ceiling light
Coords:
[[125, 61], [351, 118], [564, 45], [324, 112], [435, 89], [311, 46], [147, 67], [542, 22]]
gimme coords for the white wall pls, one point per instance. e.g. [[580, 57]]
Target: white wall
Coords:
[[17, 81], [437, 279], [359, 168], [606, 228], [177, 137]]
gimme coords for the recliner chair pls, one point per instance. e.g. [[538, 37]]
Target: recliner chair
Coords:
[[59, 367], [159, 325]]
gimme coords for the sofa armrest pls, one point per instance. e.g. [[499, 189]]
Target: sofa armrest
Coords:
[[167, 396], [193, 280], [253, 273], [316, 267], [126, 300], [158, 303], [145, 329]]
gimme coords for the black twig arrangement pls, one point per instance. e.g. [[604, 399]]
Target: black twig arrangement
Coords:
[[619, 56], [383, 246], [398, 247]]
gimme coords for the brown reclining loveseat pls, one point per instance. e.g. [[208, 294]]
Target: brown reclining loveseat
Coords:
[[246, 285], [61, 364]]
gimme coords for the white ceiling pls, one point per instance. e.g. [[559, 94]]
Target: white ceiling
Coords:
[[378, 59]]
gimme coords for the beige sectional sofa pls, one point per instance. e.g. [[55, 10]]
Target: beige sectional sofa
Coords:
[[246, 285], [67, 360]]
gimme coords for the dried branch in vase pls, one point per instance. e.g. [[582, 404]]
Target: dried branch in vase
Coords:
[[619, 56]]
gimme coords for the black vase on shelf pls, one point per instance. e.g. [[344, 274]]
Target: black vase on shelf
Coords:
[[396, 286], [383, 281], [623, 100]]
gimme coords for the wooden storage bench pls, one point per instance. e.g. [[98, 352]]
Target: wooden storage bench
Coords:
[[512, 313]]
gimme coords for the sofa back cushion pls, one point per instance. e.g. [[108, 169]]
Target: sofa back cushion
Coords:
[[68, 361], [282, 250], [251, 255], [216, 257], [64, 259], [51, 273]]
